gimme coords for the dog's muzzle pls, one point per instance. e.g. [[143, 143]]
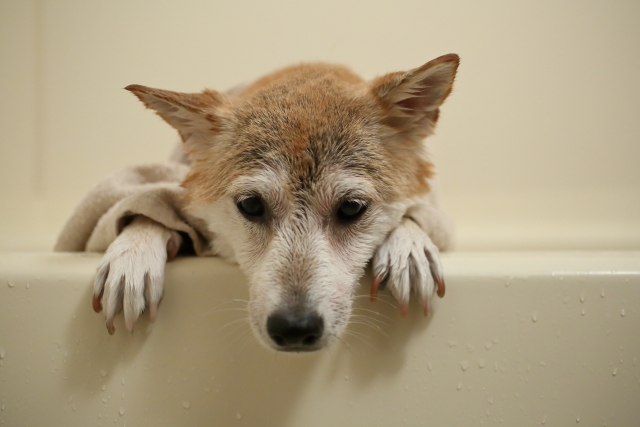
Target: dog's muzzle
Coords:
[[295, 332]]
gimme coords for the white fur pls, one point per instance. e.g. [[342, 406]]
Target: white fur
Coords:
[[131, 274], [132, 270], [403, 261], [300, 257]]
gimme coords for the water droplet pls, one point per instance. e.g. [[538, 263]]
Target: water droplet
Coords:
[[602, 293], [509, 280], [122, 396], [346, 377], [615, 371], [583, 311], [542, 363], [622, 312], [186, 404], [207, 389], [2, 407], [238, 415], [491, 401], [578, 419], [481, 363], [121, 411], [544, 420], [104, 387], [495, 367], [11, 284], [488, 412], [103, 372], [122, 381], [406, 388], [464, 365], [459, 385], [27, 286], [470, 347], [452, 343], [105, 400], [3, 353], [581, 296], [534, 317], [495, 340], [488, 345], [429, 365]]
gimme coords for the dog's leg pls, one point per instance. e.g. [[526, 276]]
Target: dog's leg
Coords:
[[410, 257], [131, 274]]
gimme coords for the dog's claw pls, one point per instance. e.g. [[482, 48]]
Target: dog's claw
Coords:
[[110, 328], [377, 280], [427, 308], [97, 305], [441, 287], [153, 311], [173, 246], [404, 309]]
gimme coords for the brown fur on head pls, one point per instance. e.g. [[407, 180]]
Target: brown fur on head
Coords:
[[294, 116], [304, 140]]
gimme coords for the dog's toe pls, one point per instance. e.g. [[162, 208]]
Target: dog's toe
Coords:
[[408, 260]]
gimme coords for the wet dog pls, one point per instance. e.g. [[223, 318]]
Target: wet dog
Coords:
[[303, 177]]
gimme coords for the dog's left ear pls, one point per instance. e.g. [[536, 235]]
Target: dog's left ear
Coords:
[[411, 100], [191, 114]]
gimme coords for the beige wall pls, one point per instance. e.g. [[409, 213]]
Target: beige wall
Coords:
[[540, 137]]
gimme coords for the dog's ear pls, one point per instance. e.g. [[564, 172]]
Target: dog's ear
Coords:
[[411, 100], [191, 114]]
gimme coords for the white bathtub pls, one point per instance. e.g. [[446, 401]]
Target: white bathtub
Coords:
[[519, 339], [537, 150]]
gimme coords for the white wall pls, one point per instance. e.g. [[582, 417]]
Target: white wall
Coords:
[[537, 147]]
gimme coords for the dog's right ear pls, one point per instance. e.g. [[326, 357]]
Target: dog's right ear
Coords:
[[191, 114]]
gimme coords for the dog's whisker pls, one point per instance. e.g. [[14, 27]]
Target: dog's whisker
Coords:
[[218, 308], [367, 318], [374, 315], [383, 300], [360, 337], [374, 327], [237, 326], [344, 344], [242, 335]]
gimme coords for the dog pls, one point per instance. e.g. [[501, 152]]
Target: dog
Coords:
[[304, 177]]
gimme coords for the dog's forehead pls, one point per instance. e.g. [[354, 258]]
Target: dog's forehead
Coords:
[[308, 131]]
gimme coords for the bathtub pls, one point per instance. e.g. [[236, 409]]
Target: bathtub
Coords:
[[537, 154], [521, 338]]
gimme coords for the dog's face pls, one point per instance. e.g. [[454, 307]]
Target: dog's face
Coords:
[[301, 176]]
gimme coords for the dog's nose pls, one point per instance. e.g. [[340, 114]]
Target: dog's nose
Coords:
[[293, 332]]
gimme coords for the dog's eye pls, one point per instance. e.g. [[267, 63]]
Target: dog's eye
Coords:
[[251, 206], [351, 210]]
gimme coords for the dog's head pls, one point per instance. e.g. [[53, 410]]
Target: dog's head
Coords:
[[301, 175]]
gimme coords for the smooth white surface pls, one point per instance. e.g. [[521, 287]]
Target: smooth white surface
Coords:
[[519, 339]]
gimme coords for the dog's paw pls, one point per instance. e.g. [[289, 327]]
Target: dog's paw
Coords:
[[131, 274], [408, 260]]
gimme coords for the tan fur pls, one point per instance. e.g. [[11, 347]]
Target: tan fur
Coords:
[[304, 142], [302, 117]]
